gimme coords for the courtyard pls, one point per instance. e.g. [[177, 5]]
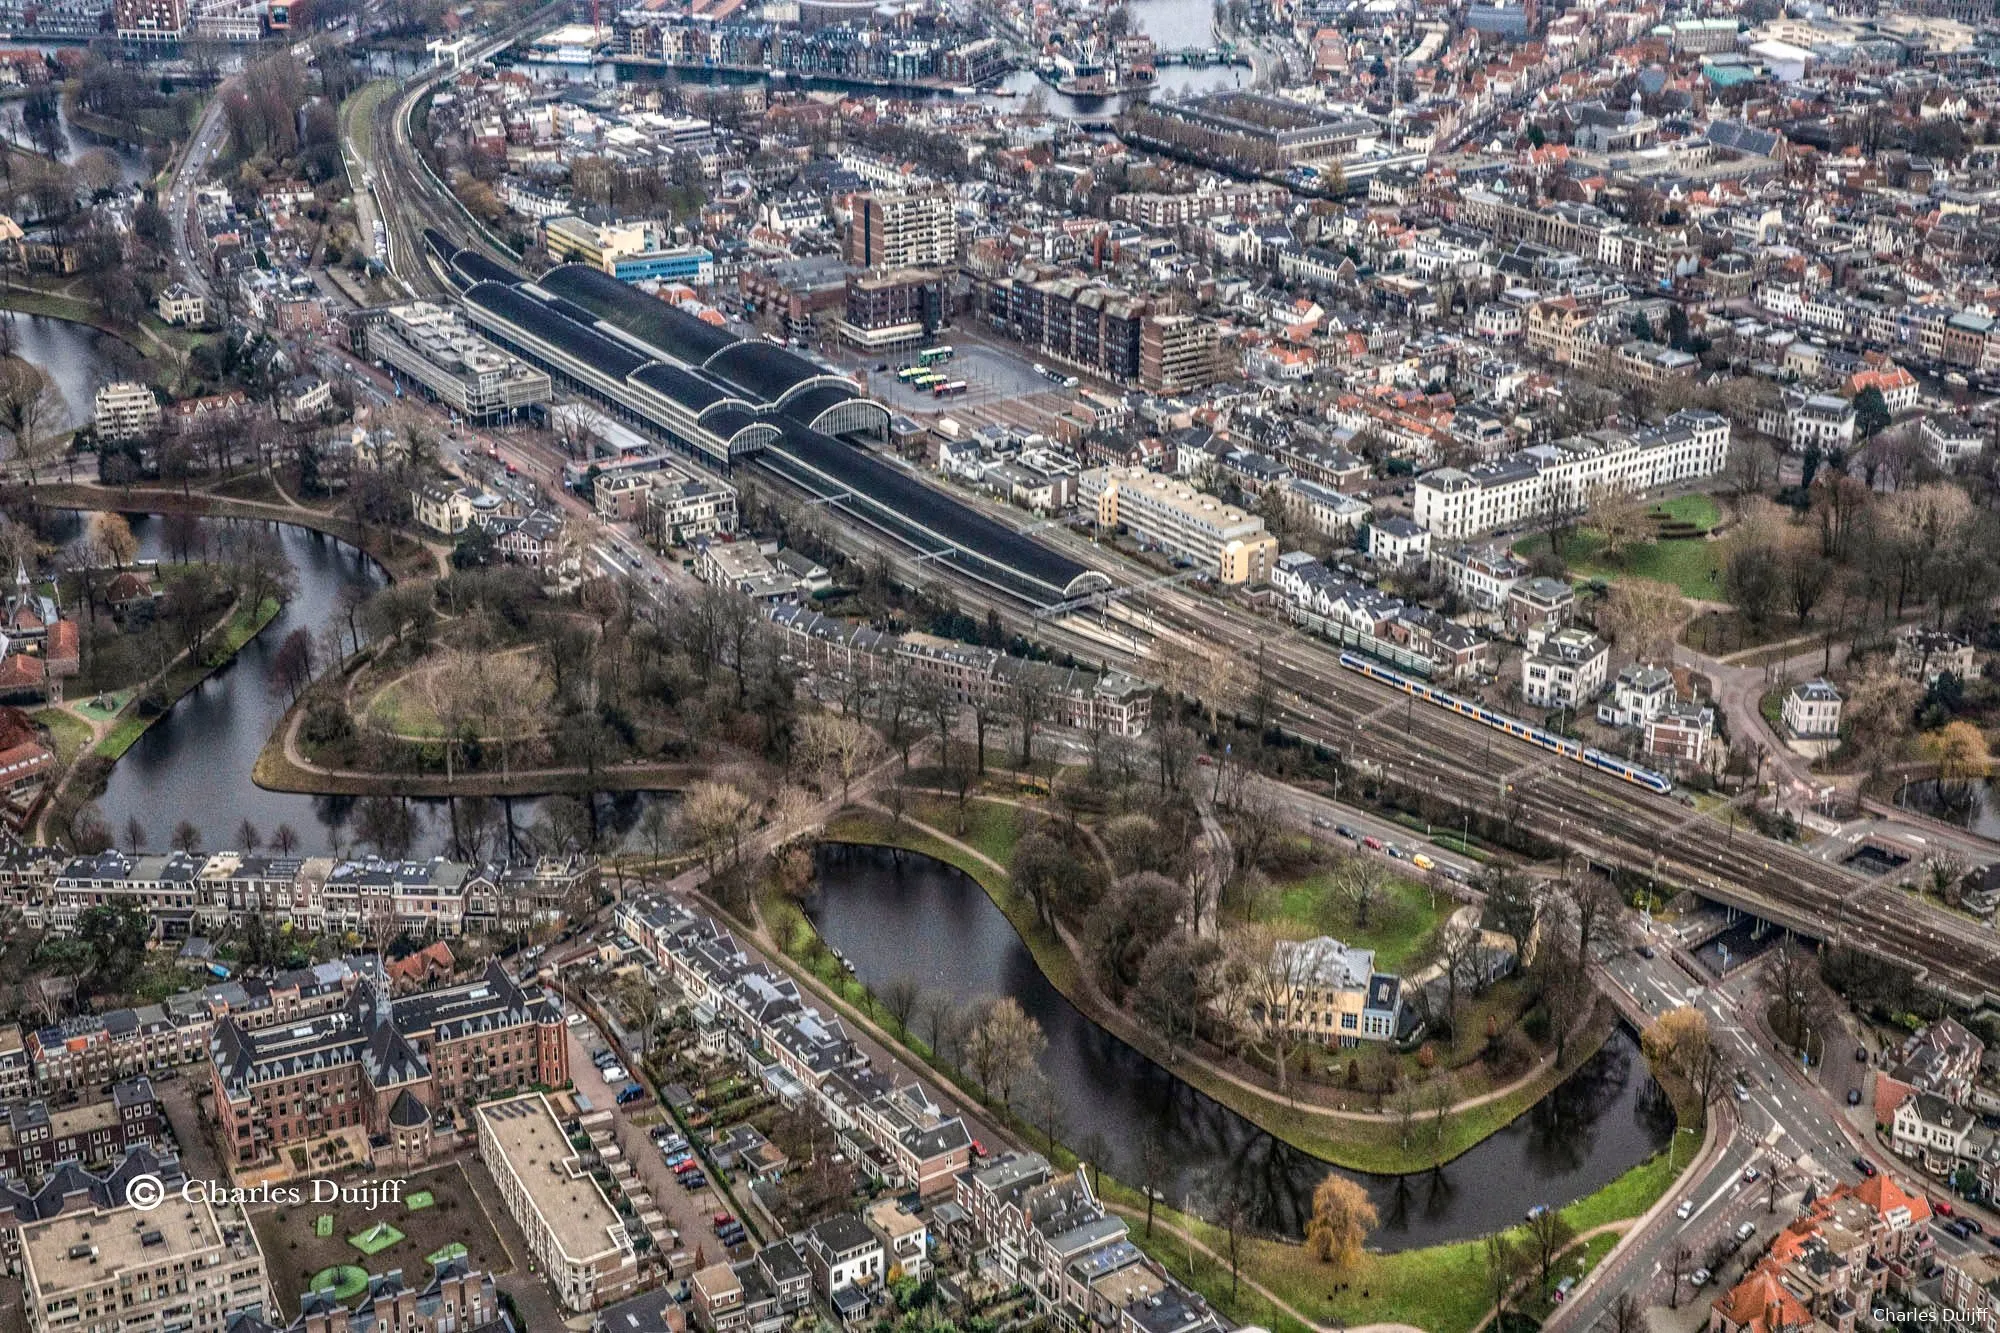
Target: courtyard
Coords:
[[299, 1244]]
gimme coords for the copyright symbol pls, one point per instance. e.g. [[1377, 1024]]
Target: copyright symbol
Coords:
[[145, 1192]]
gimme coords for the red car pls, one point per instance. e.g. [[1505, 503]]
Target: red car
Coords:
[[1372, 844], [1941, 1208], [723, 1219]]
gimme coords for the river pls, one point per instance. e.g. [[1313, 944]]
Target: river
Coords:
[[897, 914]]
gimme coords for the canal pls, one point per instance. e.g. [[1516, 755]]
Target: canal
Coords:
[[70, 354], [195, 763], [898, 914]]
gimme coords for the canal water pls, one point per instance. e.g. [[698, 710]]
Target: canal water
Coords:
[[195, 763], [1975, 807], [70, 354], [897, 914]]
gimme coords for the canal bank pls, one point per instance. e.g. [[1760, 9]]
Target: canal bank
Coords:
[[1438, 1286], [901, 916]]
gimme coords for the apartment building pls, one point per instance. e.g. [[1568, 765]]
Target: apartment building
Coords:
[[125, 410], [381, 1065], [1178, 354], [164, 886], [682, 506], [912, 229], [437, 350], [891, 309], [34, 1139], [1171, 516], [581, 1242], [179, 1266], [1078, 321], [1332, 994], [1565, 475], [150, 22], [1843, 1250]]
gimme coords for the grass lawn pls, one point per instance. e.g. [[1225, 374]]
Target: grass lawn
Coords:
[[1693, 566], [1440, 1288], [421, 1199], [345, 1281], [1359, 1145], [294, 1251], [323, 1225], [69, 732], [1700, 511], [1772, 705], [993, 827], [1397, 923], [122, 735], [1576, 1262]]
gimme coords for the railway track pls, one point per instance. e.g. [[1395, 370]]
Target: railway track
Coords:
[[1462, 762], [1609, 821]]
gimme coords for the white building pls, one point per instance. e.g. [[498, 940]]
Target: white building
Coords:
[[1565, 669], [579, 1241], [176, 1267], [181, 305], [1641, 693], [1398, 543], [1329, 512], [433, 347], [1228, 543], [125, 410], [1812, 713], [1565, 475], [1931, 1130], [1950, 441]]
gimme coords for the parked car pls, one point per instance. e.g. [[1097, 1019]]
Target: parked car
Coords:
[[1745, 1232], [631, 1092], [1422, 862], [1372, 844], [694, 1180], [1943, 1208], [615, 1074], [1686, 1210], [722, 1219], [679, 1158], [1321, 821], [1647, 951], [1750, 1172], [1977, 1227], [1395, 853], [1861, 1055], [1854, 1096], [1344, 831], [1865, 1167], [1700, 1277]]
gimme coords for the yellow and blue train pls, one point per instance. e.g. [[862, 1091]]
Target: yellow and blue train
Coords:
[[1574, 751]]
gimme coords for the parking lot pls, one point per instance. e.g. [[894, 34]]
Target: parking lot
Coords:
[[689, 1212]]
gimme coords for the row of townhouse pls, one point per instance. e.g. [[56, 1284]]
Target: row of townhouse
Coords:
[[185, 893], [845, 1261], [1110, 702], [756, 1010], [1942, 335], [1047, 1231], [1564, 476], [1378, 622]]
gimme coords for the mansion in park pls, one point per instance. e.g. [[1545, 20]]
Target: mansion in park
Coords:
[[382, 1070]]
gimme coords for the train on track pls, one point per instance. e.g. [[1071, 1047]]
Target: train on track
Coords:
[[1574, 751]]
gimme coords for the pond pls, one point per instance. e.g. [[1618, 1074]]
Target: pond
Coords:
[[898, 914], [72, 355]]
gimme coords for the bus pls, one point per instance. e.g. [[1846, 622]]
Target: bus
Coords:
[[932, 356], [928, 380], [948, 389], [908, 373]]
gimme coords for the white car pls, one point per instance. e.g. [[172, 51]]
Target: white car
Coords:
[[1686, 1210], [614, 1074], [1700, 1277]]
